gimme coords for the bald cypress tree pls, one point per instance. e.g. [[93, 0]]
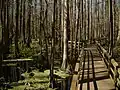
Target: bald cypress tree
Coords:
[[29, 23], [23, 21], [53, 46], [17, 29], [65, 40]]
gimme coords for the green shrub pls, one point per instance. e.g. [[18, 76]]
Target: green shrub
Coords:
[[39, 81], [24, 51], [116, 50]]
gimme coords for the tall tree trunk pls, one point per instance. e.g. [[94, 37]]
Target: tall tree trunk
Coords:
[[53, 47], [65, 48], [17, 29], [7, 44], [82, 18], [111, 28], [98, 29], [92, 34], [72, 29], [88, 20], [2, 2], [46, 30], [115, 23], [85, 21], [118, 36], [60, 26], [21, 6], [75, 29], [24, 21], [29, 23]]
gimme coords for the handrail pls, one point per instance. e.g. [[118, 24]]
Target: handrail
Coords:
[[75, 80], [18, 60], [112, 66], [80, 63]]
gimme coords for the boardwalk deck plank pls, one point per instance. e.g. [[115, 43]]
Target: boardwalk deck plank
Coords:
[[95, 75]]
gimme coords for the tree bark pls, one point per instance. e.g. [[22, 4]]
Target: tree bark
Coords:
[[53, 47], [17, 29], [24, 21], [65, 40]]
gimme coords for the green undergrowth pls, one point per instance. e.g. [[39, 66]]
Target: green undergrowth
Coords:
[[36, 80], [116, 50], [104, 43], [24, 50]]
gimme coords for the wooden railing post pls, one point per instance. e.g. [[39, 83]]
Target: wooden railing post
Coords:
[[116, 76], [76, 76], [109, 65], [80, 64], [113, 67]]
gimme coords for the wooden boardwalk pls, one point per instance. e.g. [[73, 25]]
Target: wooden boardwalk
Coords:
[[93, 74]]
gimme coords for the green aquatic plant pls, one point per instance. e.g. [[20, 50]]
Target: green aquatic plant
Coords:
[[38, 80]]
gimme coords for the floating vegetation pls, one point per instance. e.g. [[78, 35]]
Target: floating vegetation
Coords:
[[62, 74], [36, 80]]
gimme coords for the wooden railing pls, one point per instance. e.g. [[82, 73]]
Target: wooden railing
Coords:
[[111, 65], [75, 79], [13, 68], [21, 62]]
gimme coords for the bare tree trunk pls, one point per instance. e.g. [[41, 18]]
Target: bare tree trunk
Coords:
[[21, 5], [111, 28], [92, 34], [1, 42], [82, 19], [88, 21], [29, 23], [53, 47], [118, 37], [60, 26], [98, 25], [24, 24], [76, 29], [17, 29], [72, 30], [40, 30], [85, 20], [65, 48], [115, 23]]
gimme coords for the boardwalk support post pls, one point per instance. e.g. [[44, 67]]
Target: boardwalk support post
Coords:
[[116, 76]]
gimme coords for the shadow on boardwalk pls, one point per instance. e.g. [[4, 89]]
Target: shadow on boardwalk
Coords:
[[94, 75]]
